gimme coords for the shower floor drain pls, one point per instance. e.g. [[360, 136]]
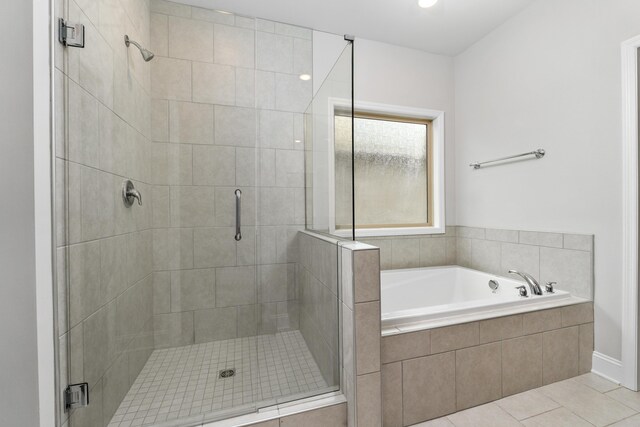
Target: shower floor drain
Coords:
[[227, 373]]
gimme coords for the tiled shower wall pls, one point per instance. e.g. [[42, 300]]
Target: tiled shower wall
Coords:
[[227, 107], [563, 258], [104, 267], [317, 275]]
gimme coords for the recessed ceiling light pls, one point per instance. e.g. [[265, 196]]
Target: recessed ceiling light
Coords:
[[426, 3], [297, 141], [305, 77], [224, 12]]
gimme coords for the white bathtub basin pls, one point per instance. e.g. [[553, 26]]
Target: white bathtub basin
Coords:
[[420, 298]]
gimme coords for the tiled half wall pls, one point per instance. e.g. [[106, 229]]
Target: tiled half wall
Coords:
[[563, 258], [431, 373]]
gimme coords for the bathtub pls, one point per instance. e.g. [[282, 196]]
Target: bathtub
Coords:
[[423, 298]]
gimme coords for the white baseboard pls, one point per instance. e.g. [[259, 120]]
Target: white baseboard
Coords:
[[607, 367]]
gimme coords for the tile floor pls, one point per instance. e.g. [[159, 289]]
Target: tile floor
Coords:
[[183, 381], [587, 400]]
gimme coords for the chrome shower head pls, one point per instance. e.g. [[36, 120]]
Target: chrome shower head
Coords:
[[147, 55]]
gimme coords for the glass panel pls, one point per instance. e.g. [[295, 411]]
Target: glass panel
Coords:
[[329, 190], [165, 284], [392, 177]]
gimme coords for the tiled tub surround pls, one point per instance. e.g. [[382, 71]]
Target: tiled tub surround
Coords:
[[227, 109], [431, 373], [104, 254], [563, 258]]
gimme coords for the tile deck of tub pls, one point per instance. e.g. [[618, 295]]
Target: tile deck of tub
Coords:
[[184, 381], [587, 400]]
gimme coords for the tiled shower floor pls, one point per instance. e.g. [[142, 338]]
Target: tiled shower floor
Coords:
[[183, 381]]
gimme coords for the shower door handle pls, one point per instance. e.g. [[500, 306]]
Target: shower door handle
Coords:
[[238, 194]]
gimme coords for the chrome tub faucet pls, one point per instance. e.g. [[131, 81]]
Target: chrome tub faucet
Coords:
[[533, 283]]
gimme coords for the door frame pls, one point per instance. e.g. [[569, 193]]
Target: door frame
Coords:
[[630, 188]]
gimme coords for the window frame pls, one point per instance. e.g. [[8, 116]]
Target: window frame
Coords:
[[435, 152]]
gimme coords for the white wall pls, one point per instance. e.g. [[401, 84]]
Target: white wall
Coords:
[[18, 348], [394, 75], [550, 78]]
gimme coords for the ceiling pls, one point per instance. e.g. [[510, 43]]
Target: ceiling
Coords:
[[448, 28]]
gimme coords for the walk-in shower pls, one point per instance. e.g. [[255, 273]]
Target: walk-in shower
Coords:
[[194, 305]]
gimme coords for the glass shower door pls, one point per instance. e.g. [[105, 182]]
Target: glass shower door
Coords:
[[180, 196]]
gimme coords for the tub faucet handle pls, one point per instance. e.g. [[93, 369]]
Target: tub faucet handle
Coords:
[[523, 291], [549, 287]]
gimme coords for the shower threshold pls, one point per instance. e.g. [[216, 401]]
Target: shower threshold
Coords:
[[185, 383]]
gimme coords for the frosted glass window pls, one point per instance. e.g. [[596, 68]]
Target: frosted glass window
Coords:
[[391, 172]]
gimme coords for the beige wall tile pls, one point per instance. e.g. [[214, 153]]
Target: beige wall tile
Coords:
[[84, 281], [367, 329], [302, 56], [392, 394], [433, 251], [463, 252], [478, 375], [160, 120], [214, 165], [245, 87], [586, 348], [190, 39], [235, 126], [471, 232], [274, 53], [519, 376], [235, 286], [115, 386], [335, 415], [234, 46], [405, 253], [540, 321], [405, 346], [579, 242], [485, 256], [560, 354], [553, 240], [190, 123], [215, 324], [576, 314], [289, 168], [573, 270], [275, 129], [500, 328], [170, 79], [160, 207], [193, 289], [292, 93], [192, 206], [170, 8], [173, 329], [214, 84], [428, 387], [508, 236], [211, 247], [366, 275], [454, 337], [161, 292], [212, 15], [523, 258], [171, 164], [159, 40], [369, 400], [292, 30], [173, 249]]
